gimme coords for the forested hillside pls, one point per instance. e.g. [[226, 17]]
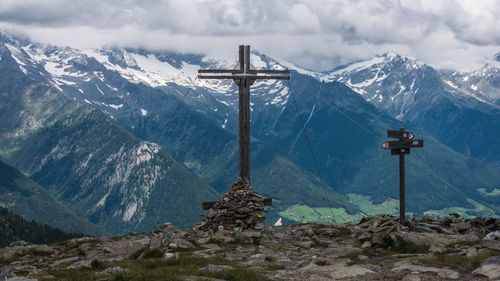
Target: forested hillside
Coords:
[[14, 227]]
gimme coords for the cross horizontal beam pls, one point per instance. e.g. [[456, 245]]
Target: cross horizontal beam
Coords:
[[287, 77], [244, 72], [251, 71]]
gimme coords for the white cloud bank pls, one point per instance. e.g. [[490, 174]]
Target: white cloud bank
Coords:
[[317, 34]]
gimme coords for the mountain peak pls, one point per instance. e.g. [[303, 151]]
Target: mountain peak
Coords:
[[497, 57], [12, 37], [391, 55]]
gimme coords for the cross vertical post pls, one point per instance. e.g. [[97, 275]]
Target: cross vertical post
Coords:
[[244, 77], [401, 147]]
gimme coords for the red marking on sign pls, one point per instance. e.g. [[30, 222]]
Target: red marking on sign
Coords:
[[385, 145], [221, 228], [410, 135]]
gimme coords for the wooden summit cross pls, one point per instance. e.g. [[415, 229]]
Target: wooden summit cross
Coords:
[[401, 147], [244, 77]]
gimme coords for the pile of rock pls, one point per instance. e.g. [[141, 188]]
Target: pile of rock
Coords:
[[241, 208], [370, 230]]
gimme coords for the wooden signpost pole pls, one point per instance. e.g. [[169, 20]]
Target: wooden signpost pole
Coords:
[[401, 147]]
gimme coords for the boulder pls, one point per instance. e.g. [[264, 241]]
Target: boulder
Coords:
[[84, 264], [335, 271], [442, 272]]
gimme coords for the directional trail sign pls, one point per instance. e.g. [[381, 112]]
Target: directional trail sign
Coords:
[[401, 147]]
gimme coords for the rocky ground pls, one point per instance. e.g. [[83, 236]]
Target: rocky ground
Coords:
[[377, 248]]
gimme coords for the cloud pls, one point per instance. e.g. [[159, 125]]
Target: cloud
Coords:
[[319, 34]]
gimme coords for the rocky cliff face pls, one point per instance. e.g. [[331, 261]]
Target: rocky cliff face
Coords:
[[425, 249]]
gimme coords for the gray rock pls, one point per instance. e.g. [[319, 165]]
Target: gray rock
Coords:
[[9, 252], [21, 279], [335, 271], [84, 247], [305, 244], [20, 243], [366, 244], [492, 260], [471, 252], [45, 249], [169, 255], [411, 277], [436, 249], [492, 271], [196, 278], [183, 243], [442, 272], [62, 261], [106, 250], [460, 227], [84, 264], [201, 254], [279, 235], [5, 274], [438, 239], [202, 241], [259, 226], [492, 236], [490, 244], [363, 258], [215, 268], [256, 259], [111, 270], [168, 227]]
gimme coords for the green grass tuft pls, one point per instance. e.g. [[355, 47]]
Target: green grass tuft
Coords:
[[403, 246], [464, 262]]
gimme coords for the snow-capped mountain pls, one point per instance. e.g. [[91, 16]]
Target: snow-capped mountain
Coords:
[[455, 112], [388, 81], [483, 83], [107, 80], [90, 76], [397, 84], [141, 89]]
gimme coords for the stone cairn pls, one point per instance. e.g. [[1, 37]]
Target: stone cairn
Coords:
[[241, 208]]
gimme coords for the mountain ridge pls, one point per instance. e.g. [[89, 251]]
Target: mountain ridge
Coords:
[[202, 136]]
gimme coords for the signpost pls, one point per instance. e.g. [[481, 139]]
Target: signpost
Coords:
[[401, 147]]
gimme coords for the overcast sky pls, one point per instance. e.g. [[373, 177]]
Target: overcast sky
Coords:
[[316, 34]]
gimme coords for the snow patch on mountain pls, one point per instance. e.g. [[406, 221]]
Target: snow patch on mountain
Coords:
[[114, 106], [16, 55]]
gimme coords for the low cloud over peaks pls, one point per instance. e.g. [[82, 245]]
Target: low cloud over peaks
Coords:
[[315, 33]]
